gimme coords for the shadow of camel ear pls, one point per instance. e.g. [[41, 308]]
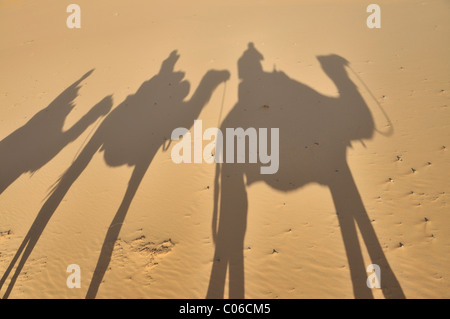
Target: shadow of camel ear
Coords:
[[332, 60], [169, 63], [88, 73], [83, 78]]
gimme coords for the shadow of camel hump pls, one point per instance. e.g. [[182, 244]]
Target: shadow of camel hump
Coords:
[[33, 145], [131, 135], [314, 133]]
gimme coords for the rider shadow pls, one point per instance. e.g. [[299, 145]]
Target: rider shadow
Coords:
[[314, 133], [33, 145], [130, 135]]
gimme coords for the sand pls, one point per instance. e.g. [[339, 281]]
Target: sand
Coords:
[[383, 164]]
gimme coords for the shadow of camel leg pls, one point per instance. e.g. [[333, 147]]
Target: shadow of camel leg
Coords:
[[230, 238], [354, 255], [218, 273], [47, 211], [13, 262], [351, 209], [236, 276], [114, 229], [230, 258], [389, 284]]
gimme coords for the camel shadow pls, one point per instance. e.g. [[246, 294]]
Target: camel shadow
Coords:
[[33, 145], [314, 133], [130, 135]]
